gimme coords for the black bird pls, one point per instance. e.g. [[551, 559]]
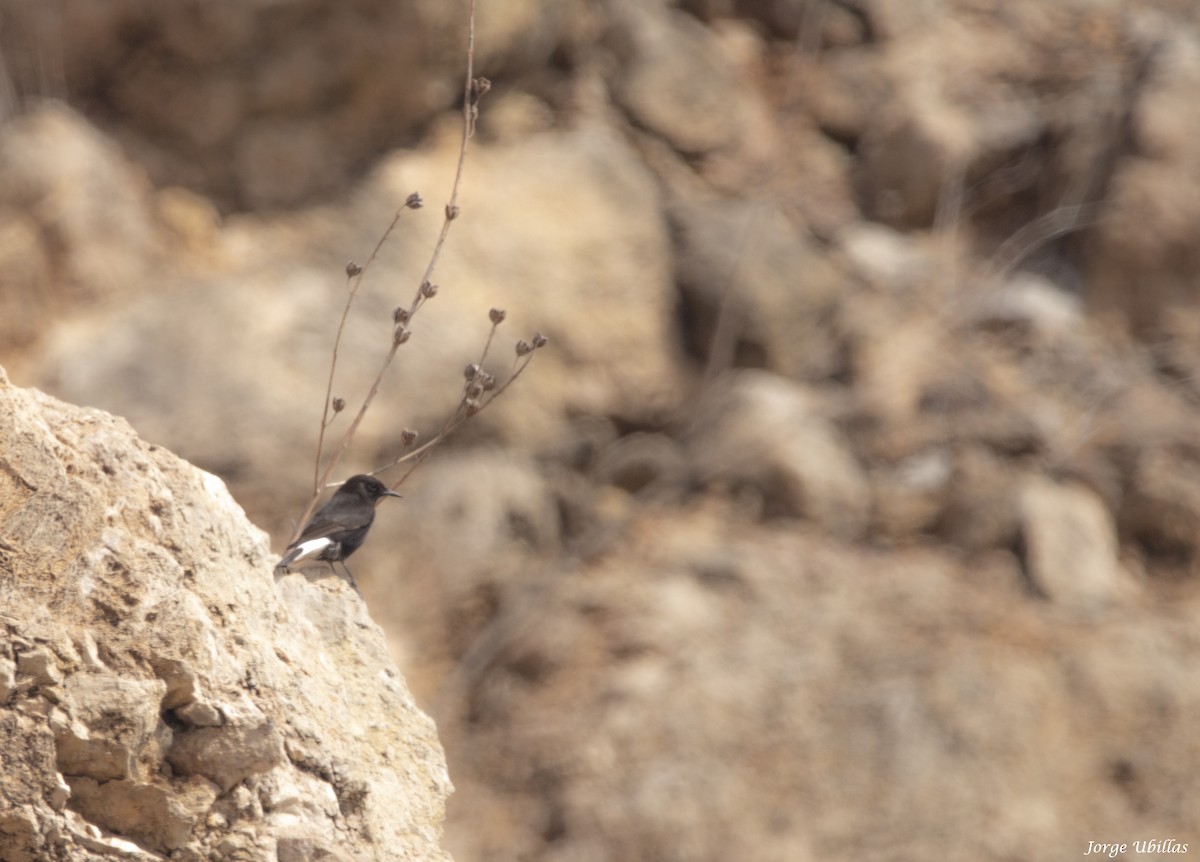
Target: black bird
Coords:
[[339, 527]]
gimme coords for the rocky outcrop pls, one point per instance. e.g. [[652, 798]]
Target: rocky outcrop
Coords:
[[161, 694]]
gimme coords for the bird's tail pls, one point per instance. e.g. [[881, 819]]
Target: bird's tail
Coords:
[[304, 550], [288, 558]]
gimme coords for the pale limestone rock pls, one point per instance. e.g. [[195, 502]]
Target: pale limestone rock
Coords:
[[39, 665], [676, 79], [759, 435], [748, 275], [114, 721], [227, 755], [217, 713], [8, 678], [1070, 545]]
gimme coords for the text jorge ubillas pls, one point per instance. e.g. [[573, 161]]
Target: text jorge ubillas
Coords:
[[1168, 845]]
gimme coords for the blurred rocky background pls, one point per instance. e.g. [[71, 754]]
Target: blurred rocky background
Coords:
[[853, 512]]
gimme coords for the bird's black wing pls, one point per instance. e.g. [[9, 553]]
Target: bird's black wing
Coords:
[[336, 524]]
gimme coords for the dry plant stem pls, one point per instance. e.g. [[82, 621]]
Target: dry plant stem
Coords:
[[487, 345], [325, 420], [1051, 225], [723, 343], [453, 422], [470, 109], [456, 418], [356, 283]]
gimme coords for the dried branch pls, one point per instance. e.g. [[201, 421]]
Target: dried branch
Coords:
[[354, 274], [480, 389], [473, 90]]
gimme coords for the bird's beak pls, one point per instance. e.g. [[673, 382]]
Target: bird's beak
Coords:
[[393, 494]]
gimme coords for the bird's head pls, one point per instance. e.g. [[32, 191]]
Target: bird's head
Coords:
[[366, 487]]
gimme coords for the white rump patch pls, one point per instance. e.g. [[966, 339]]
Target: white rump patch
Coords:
[[310, 548]]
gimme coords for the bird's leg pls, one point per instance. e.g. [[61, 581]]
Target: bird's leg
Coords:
[[353, 582]]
